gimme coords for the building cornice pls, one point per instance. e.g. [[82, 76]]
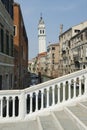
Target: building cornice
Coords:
[[4, 64]]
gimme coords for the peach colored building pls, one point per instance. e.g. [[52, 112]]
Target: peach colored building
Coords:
[[41, 63], [52, 60]]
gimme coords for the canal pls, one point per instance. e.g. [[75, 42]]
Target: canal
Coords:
[[45, 78]]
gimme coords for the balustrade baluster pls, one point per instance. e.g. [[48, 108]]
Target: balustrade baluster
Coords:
[[26, 104], [80, 88], [42, 93], [13, 106], [36, 93], [85, 84], [58, 93], [53, 95], [64, 92], [47, 97], [69, 90], [1, 107], [31, 102], [7, 108], [74, 88]]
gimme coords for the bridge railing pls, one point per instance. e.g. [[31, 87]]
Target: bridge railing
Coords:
[[19, 104]]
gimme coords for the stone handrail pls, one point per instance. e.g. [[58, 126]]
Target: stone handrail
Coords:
[[20, 104]]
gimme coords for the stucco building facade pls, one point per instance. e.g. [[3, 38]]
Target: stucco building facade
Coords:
[[66, 53], [79, 51], [52, 60], [6, 45]]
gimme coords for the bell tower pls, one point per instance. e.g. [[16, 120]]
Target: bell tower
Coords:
[[41, 36]]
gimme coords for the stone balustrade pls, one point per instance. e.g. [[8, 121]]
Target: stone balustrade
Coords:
[[19, 104]]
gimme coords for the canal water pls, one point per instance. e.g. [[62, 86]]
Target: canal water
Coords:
[[44, 78]]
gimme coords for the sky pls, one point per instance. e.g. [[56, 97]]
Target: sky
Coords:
[[54, 13]]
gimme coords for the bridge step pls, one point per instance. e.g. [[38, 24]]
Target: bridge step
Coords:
[[68, 118], [79, 114], [48, 123], [84, 104], [21, 125], [66, 122]]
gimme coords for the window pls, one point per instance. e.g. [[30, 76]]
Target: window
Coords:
[[81, 36], [53, 56], [7, 43], [53, 48], [11, 46], [41, 31], [53, 61], [76, 31], [2, 40], [81, 53], [77, 64], [69, 44], [15, 30]]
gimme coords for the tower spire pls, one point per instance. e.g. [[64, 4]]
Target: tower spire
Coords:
[[41, 14], [41, 35]]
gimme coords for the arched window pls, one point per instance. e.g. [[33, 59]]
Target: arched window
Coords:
[[43, 31]]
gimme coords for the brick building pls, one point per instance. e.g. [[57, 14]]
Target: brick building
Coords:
[[20, 49]]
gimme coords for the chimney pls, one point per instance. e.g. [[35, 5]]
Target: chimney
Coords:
[[61, 29]]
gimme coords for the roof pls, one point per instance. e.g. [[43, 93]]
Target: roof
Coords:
[[54, 44], [42, 54], [41, 21]]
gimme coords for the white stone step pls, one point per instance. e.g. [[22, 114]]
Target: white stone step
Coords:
[[66, 122], [22, 125], [79, 114], [84, 104], [48, 123]]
